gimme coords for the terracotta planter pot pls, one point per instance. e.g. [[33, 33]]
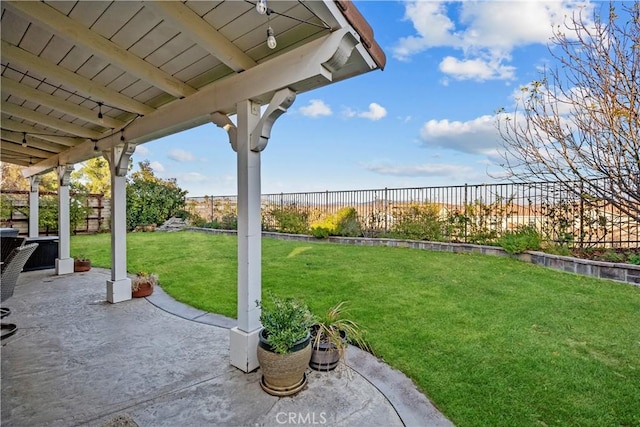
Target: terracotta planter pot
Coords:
[[81, 265], [283, 374], [144, 290]]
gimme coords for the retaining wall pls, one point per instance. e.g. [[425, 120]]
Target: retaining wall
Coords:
[[627, 273]]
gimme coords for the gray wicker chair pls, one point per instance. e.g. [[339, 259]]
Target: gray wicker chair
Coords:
[[8, 245], [11, 269]]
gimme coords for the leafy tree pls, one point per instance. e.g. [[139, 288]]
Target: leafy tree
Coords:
[[152, 200], [12, 179], [580, 120], [94, 176]]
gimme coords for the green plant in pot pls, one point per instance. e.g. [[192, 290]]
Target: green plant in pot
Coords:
[[81, 263], [330, 336], [284, 347], [143, 283]]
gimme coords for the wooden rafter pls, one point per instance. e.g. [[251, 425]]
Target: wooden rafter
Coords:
[[69, 29], [82, 84], [36, 117], [202, 33], [57, 103]]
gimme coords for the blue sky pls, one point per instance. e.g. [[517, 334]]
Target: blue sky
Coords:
[[428, 119]]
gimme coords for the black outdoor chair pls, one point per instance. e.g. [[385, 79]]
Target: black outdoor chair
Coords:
[[11, 269]]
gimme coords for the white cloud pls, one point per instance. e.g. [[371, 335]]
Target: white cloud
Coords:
[[180, 155], [192, 177], [428, 169], [477, 136], [316, 108], [157, 166], [375, 112], [476, 69], [486, 32], [142, 150]]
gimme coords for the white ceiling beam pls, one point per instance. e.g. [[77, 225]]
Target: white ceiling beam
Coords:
[[74, 32], [21, 127], [307, 67], [12, 158], [82, 84], [25, 151], [32, 141], [52, 122], [27, 92], [199, 30]]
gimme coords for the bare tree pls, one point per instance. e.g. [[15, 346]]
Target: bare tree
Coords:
[[580, 121]]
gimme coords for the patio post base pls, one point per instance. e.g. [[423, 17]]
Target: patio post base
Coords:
[[64, 266], [118, 290], [244, 349]]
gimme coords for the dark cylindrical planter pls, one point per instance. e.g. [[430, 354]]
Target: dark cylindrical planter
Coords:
[[283, 374], [325, 356]]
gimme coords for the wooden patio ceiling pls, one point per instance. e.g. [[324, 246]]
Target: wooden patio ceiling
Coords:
[[80, 76]]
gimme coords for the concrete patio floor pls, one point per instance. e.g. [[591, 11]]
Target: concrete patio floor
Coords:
[[78, 360]]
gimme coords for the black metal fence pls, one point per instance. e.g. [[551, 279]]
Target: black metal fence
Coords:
[[465, 213]]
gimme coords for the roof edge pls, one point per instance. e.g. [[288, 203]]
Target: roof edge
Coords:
[[360, 24]]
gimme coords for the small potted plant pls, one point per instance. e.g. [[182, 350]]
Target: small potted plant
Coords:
[[330, 337], [81, 263], [142, 284], [284, 347]]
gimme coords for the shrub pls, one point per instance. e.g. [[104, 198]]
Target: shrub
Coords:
[[151, 200], [526, 238], [228, 221], [418, 222], [290, 219], [285, 321], [320, 232], [343, 223]]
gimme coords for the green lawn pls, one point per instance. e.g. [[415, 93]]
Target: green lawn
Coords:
[[492, 341]]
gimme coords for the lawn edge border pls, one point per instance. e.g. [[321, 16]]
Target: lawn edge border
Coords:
[[619, 272]]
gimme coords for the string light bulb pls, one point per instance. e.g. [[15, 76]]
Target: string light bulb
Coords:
[[100, 116], [24, 139], [261, 7], [271, 38], [122, 135]]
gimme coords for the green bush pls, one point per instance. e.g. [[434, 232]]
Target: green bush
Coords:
[[286, 321], [418, 222], [151, 200], [343, 223], [290, 219], [526, 238], [228, 221], [320, 232]]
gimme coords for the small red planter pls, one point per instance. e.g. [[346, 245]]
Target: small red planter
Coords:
[[144, 290], [81, 265]]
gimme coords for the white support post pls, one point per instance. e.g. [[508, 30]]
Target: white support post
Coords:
[[34, 210], [119, 287], [244, 337], [250, 137], [64, 262]]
